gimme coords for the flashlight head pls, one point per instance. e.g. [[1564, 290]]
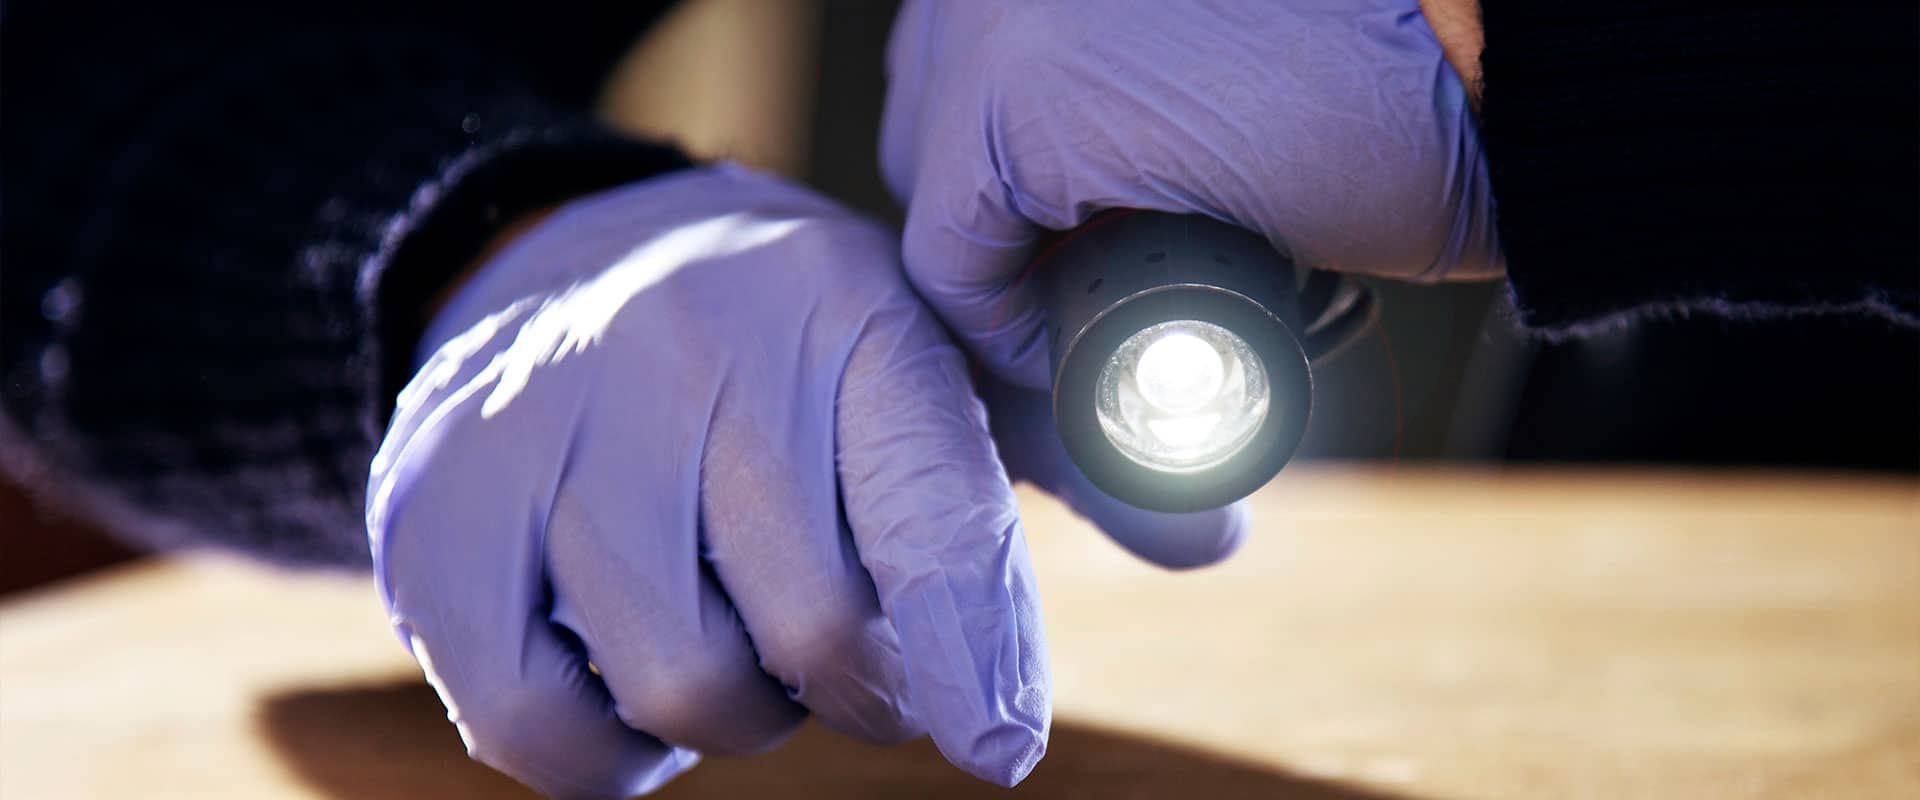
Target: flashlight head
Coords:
[[1180, 383]]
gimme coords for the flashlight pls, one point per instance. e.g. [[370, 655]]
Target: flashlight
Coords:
[[1181, 354]]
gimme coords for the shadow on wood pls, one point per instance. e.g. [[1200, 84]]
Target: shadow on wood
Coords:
[[392, 740]]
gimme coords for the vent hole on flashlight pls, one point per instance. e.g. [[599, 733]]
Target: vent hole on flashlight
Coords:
[[1221, 258], [1156, 257], [1095, 284]]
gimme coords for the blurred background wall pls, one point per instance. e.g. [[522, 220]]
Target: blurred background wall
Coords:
[[796, 86]]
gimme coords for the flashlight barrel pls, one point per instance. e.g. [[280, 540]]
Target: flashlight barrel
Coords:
[[1124, 252], [1125, 271]]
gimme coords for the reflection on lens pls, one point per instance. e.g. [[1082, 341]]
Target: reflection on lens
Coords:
[[1182, 396]]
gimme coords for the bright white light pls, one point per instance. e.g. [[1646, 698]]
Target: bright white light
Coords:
[[1184, 431], [1182, 396], [1180, 372]]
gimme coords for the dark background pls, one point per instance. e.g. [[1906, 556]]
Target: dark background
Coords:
[[1446, 375]]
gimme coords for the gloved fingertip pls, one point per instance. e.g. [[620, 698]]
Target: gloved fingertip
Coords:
[[677, 761], [971, 632], [1173, 541], [682, 760], [1211, 538], [1004, 754]]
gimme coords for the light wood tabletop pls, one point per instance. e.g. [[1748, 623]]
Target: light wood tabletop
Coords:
[[1404, 633]]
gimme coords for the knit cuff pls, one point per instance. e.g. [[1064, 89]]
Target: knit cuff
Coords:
[[477, 195], [225, 303]]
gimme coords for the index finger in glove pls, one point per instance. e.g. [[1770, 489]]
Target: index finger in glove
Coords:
[[935, 523]]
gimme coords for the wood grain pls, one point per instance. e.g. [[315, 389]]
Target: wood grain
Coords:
[[1425, 633]]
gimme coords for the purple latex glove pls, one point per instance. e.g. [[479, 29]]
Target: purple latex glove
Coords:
[[1337, 129], [685, 462]]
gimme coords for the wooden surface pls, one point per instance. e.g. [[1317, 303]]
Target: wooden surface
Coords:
[[1409, 634]]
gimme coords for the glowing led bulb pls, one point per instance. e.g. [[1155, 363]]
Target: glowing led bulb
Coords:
[[1180, 372], [1181, 396]]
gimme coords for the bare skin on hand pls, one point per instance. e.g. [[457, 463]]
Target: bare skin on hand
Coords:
[[1457, 24]]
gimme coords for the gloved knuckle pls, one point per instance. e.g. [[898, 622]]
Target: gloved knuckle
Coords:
[[847, 667], [685, 705], [820, 642], [669, 700]]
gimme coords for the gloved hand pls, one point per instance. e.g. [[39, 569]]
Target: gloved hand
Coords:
[[689, 460], [697, 433], [1337, 129]]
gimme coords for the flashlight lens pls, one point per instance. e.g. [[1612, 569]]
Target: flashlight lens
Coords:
[[1179, 372], [1182, 396]]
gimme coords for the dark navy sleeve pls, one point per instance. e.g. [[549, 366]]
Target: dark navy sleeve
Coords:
[[218, 228], [1739, 158]]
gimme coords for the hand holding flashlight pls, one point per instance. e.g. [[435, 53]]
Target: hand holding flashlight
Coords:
[[1336, 131]]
